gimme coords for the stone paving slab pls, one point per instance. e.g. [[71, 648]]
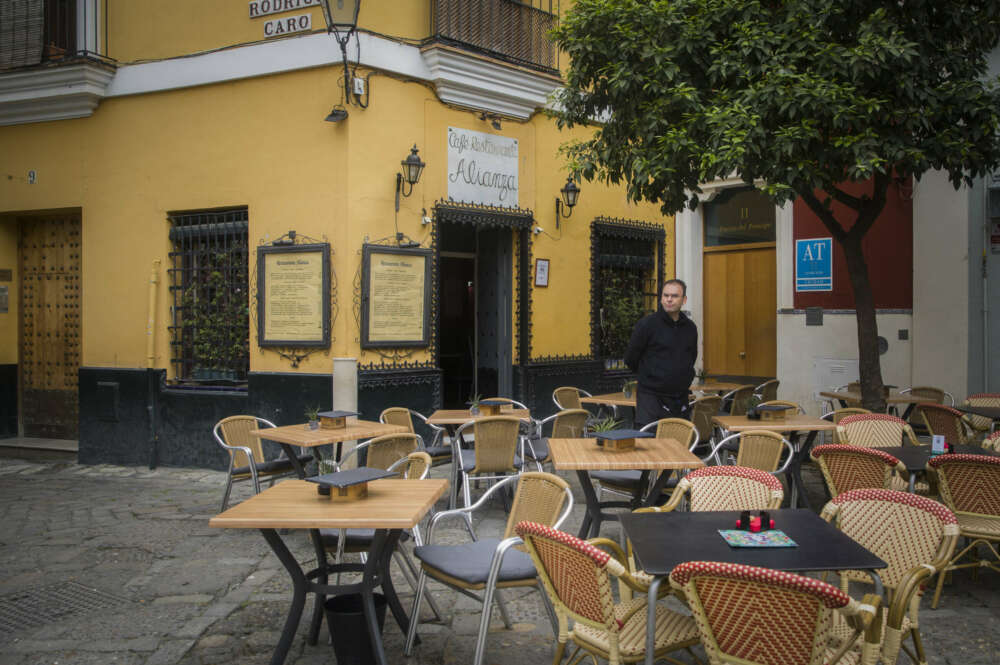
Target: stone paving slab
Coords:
[[194, 595]]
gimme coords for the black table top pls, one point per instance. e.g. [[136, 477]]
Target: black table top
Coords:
[[991, 412], [661, 541], [915, 458]]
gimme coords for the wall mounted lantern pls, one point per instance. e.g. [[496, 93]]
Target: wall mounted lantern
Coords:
[[412, 168], [570, 195], [342, 20]]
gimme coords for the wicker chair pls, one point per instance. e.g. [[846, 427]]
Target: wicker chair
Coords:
[[702, 411], [837, 415], [567, 424], [753, 615], [970, 486], [489, 565], [439, 451], [739, 400], [767, 391], [626, 483], [568, 397], [981, 426], [494, 453], [577, 577], [934, 395], [875, 430], [847, 468], [914, 535], [725, 488], [757, 449], [246, 454], [992, 442], [945, 420]]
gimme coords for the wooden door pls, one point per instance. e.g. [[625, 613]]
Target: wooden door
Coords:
[[49, 266], [740, 312]]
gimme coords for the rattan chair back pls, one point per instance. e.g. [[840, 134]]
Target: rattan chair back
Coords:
[[397, 415], [414, 466], [727, 488], [944, 420], [740, 400], [854, 387], [384, 451], [760, 449], [981, 424], [678, 429], [702, 412], [569, 424], [755, 615], [839, 414], [235, 431], [969, 484], [847, 468], [992, 442], [768, 391], [540, 497], [567, 397], [496, 439], [874, 430]]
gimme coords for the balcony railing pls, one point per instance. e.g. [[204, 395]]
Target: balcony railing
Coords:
[[506, 29]]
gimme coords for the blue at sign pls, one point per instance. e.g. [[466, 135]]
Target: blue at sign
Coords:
[[814, 264]]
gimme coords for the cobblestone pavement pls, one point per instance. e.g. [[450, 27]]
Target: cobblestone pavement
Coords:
[[107, 564]]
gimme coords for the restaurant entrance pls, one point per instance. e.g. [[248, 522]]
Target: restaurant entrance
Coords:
[[476, 271]]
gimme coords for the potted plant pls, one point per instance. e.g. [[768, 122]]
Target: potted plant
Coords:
[[701, 375], [603, 425], [628, 388], [474, 404], [752, 405], [312, 415]]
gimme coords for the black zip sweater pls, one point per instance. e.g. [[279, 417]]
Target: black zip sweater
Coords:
[[663, 352]]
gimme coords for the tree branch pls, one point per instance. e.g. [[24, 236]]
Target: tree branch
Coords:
[[845, 198], [872, 207], [825, 215]]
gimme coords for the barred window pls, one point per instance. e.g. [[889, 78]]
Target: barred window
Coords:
[[626, 267], [209, 283]]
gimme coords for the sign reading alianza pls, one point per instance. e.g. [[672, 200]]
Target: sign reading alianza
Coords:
[[482, 168]]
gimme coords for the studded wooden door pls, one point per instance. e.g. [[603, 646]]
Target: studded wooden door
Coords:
[[49, 266]]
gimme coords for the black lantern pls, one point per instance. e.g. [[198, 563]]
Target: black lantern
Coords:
[[342, 21], [570, 195], [412, 168]]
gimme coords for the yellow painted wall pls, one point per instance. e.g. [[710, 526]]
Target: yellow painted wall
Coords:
[[263, 143]]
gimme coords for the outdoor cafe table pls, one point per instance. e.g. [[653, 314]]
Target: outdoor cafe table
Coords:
[[304, 437], [662, 541], [391, 506], [619, 398], [583, 455], [792, 425], [915, 458]]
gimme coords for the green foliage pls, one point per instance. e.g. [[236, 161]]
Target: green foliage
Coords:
[[312, 413], [801, 94], [475, 400], [217, 320], [621, 308], [605, 425]]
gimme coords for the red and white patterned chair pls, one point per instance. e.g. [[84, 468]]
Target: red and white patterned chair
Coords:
[[847, 468], [578, 579], [725, 488], [992, 442], [946, 421], [970, 486], [875, 430], [915, 536], [749, 615], [981, 425]]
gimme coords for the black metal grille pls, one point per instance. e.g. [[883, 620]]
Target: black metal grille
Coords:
[[211, 317], [59, 31], [48, 604], [507, 29]]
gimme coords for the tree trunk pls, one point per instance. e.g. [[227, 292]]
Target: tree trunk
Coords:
[[864, 302]]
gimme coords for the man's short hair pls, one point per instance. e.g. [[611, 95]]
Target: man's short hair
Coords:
[[679, 282]]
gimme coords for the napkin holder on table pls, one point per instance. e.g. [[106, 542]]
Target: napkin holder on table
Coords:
[[773, 412], [620, 439], [348, 485], [335, 419]]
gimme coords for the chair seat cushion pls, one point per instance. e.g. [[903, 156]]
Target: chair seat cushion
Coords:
[[469, 460], [274, 466], [673, 630], [540, 448], [438, 451], [470, 562]]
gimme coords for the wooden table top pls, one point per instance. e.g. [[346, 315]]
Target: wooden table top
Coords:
[[462, 416], [716, 386], [301, 435], [619, 398], [391, 503], [586, 455], [893, 398], [795, 423]]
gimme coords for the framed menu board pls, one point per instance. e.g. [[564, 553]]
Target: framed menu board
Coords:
[[293, 295], [395, 296]]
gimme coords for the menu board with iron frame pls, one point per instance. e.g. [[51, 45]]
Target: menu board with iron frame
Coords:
[[293, 295], [395, 296]]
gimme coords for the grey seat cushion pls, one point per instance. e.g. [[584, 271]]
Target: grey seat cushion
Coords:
[[274, 466], [469, 460], [470, 562], [438, 451], [541, 448]]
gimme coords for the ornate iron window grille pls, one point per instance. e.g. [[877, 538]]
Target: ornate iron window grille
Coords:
[[511, 30], [210, 324]]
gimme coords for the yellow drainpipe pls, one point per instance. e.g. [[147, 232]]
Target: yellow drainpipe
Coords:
[[154, 281]]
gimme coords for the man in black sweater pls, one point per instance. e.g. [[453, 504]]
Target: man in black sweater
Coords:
[[663, 350]]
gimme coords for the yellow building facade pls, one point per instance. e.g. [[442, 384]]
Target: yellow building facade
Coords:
[[170, 145]]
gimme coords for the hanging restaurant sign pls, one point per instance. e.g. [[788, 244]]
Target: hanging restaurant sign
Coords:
[[482, 168], [293, 295], [395, 296]]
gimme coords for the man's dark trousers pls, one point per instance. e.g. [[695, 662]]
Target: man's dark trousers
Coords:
[[650, 407]]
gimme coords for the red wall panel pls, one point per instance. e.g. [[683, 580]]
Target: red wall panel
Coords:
[[888, 248]]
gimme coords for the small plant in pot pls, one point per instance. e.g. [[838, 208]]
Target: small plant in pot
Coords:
[[752, 405], [603, 425], [312, 414], [628, 388], [701, 375], [474, 404]]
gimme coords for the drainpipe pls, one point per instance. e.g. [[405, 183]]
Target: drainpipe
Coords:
[[151, 384], [986, 293]]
